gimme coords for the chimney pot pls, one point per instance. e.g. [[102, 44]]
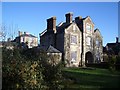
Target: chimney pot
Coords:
[[19, 33], [25, 33]]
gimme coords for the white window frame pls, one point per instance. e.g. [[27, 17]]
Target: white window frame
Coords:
[[72, 58], [88, 42], [71, 38], [88, 27]]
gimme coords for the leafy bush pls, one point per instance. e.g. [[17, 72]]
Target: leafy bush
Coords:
[[22, 72], [112, 61]]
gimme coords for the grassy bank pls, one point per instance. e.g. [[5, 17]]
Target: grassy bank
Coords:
[[89, 78]]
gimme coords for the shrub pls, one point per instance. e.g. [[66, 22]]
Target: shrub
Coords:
[[37, 72], [112, 61], [51, 72], [20, 73]]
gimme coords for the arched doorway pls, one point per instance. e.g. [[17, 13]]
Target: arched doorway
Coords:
[[88, 58]]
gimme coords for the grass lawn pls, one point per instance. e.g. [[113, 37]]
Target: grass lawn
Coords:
[[90, 78]]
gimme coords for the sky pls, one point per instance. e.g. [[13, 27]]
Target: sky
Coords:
[[31, 16]]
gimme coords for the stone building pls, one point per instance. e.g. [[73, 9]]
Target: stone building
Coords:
[[29, 39], [76, 39]]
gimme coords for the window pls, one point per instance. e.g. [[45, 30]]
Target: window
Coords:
[[97, 43], [88, 27], [74, 39], [30, 39], [22, 39], [88, 40], [73, 56]]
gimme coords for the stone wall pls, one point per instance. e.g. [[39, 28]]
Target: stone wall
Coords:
[[70, 47]]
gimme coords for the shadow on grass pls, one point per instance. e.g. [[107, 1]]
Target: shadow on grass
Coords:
[[86, 79]]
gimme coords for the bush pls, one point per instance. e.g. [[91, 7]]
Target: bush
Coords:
[[112, 61], [98, 65], [51, 72], [22, 72]]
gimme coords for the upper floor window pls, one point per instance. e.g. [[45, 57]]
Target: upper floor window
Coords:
[[74, 39], [88, 26], [97, 42]]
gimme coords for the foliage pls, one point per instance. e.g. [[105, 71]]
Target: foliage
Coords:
[[105, 58], [112, 61], [51, 71], [22, 72], [118, 59]]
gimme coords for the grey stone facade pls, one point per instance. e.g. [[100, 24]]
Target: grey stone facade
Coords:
[[76, 39]]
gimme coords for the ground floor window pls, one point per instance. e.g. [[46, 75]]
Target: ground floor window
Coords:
[[73, 56]]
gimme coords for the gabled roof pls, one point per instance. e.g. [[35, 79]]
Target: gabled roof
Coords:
[[115, 47], [88, 17], [97, 30], [29, 35], [45, 32], [49, 49], [112, 44], [62, 27]]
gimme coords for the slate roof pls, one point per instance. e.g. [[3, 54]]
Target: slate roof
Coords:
[[49, 49], [29, 35], [60, 28], [115, 47], [113, 44]]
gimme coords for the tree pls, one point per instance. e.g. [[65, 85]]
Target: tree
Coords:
[[3, 32]]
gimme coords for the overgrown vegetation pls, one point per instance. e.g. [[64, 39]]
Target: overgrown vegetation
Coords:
[[30, 69], [23, 70]]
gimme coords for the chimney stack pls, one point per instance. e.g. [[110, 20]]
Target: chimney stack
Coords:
[[19, 33], [69, 17], [79, 22], [78, 18], [117, 39], [51, 24], [25, 33]]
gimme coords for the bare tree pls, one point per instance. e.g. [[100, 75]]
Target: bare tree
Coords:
[[3, 32], [8, 31]]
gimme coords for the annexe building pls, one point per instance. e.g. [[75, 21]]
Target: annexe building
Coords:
[[26, 38]]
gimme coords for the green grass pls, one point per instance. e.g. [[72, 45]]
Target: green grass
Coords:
[[79, 78]]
